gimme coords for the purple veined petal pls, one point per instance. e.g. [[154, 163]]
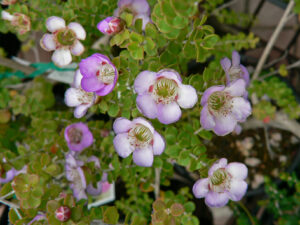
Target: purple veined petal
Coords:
[[62, 57], [170, 74], [236, 59], [241, 108], [95, 160], [9, 176], [200, 188], [206, 119], [77, 79], [122, 145], [143, 157], [187, 96], [245, 74], [55, 23], [158, 144], [72, 97], [236, 88], [91, 84], [47, 42], [224, 124], [226, 64], [140, 6], [78, 29], [81, 110], [237, 170], [146, 19], [94, 190], [147, 106], [122, 125], [209, 91], [90, 65], [169, 113], [7, 16], [143, 81], [106, 89], [216, 200], [237, 190], [238, 129], [221, 163], [144, 122], [77, 48]]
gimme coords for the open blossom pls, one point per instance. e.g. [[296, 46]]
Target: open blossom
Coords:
[[99, 74], [137, 136], [78, 137], [110, 25], [139, 8], [234, 70], [223, 107], [76, 97], [224, 182], [18, 20], [63, 40], [160, 95]]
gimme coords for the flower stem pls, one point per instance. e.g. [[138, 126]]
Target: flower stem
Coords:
[[247, 212]]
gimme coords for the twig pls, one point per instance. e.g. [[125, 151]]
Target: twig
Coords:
[[17, 212], [285, 54], [247, 212], [157, 182], [199, 130], [8, 194], [16, 66], [270, 151], [273, 39], [10, 204]]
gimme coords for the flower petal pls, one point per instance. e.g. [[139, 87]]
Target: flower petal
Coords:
[[143, 157], [187, 96], [77, 79], [216, 200], [7, 16], [226, 64], [78, 29], [8, 176], [206, 119], [140, 6], [87, 139], [81, 110], [91, 84], [122, 125], [245, 74], [238, 129], [94, 190], [236, 59], [77, 49], [237, 170], [72, 97], [90, 65], [143, 81], [55, 23], [147, 106], [47, 42], [169, 113], [236, 88], [122, 145], [158, 144], [221, 163], [106, 89], [200, 188], [62, 57], [144, 122], [241, 108], [224, 124], [209, 91], [238, 189], [170, 74]]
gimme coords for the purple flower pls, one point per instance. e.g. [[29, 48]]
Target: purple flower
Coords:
[[223, 107], [37, 218], [139, 8], [110, 25], [137, 136], [224, 182], [78, 136], [79, 98], [99, 74], [75, 175], [9, 175], [160, 95], [63, 40], [234, 70]]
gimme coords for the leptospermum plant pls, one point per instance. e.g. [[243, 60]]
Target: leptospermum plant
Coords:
[[161, 94], [63, 40], [224, 182], [138, 137], [19, 21]]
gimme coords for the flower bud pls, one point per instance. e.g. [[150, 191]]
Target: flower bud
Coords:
[[63, 213], [111, 25]]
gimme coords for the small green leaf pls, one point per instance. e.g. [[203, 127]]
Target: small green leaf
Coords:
[[111, 215], [136, 51]]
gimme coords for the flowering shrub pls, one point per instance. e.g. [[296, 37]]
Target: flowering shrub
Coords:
[[132, 60]]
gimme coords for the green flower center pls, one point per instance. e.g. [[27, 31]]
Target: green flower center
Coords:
[[85, 97], [217, 100], [66, 37], [75, 135], [218, 177], [106, 74], [140, 135], [165, 90]]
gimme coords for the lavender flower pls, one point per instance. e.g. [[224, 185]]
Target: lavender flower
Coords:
[[137, 136], [110, 25], [37, 218], [99, 74], [75, 96], [234, 70], [78, 136], [9, 175], [160, 95], [20, 21], [63, 40], [139, 8], [223, 107], [224, 182]]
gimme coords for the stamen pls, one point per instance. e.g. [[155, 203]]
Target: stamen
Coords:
[[85, 97], [219, 102], [106, 74], [75, 135], [140, 135], [219, 181], [165, 90]]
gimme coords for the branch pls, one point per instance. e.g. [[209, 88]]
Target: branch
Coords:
[[273, 39], [16, 66], [157, 182]]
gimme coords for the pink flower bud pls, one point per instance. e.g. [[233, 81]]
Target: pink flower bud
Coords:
[[110, 25], [63, 213]]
